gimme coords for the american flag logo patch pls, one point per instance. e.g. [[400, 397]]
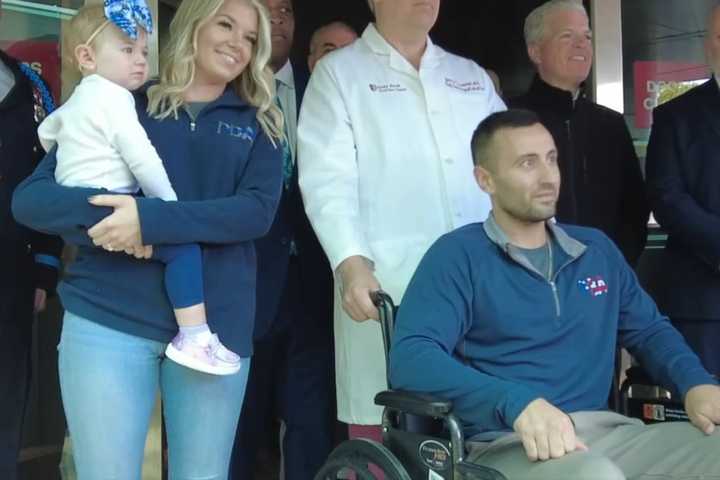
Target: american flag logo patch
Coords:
[[595, 286]]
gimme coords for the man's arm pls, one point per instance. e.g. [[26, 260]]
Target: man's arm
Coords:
[[329, 181], [436, 313], [328, 169], [663, 352], [651, 338], [674, 207]]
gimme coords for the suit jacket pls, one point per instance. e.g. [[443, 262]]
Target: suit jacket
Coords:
[[20, 152], [683, 184], [273, 253], [602, 185]]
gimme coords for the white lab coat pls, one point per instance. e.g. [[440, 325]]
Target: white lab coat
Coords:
[[385, 169]]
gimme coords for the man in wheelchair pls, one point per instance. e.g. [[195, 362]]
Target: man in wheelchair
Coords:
[[516, 321]]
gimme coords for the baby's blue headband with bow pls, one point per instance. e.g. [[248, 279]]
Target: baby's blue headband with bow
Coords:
[[128, 16]]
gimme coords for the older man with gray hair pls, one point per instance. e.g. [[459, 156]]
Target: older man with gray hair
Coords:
[[602, 182]]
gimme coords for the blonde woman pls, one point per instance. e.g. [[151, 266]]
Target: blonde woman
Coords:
[[212, 120]]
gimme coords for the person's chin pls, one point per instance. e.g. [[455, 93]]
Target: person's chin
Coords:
[[226, 75], [136, 84], [541, 214]]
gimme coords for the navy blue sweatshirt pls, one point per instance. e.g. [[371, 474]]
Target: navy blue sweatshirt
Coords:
[[481, 327], [227, 174]]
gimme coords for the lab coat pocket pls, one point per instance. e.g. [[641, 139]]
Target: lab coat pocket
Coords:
[[396, 260]]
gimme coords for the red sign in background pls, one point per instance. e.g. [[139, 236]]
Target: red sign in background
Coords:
[[43, 56], [651, 77]]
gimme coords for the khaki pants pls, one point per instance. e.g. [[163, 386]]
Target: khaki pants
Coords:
[[621, 448]]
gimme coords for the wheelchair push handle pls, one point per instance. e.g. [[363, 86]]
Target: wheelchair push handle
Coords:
[[386, 315]]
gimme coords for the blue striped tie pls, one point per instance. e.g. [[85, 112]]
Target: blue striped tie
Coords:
[[287, 153]]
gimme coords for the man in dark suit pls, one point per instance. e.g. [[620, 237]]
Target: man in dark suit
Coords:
[[29, 260], [683, 182], [291, 370]]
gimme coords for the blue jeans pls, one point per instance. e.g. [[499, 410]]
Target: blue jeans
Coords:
[[109, 381]]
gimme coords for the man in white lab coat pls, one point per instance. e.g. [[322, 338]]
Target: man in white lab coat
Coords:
[[385, 169]]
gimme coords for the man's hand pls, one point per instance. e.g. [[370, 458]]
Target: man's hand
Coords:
[[143, 252], [357, 281], [546, 431], [702, 404], [40, 300], [121, 229]]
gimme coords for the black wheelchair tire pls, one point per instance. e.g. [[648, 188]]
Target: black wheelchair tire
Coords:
[[356, 454]]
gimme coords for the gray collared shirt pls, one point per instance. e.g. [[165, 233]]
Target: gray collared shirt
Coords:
[[567, 244]]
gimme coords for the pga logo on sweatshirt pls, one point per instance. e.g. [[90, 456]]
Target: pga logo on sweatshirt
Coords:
[[243, 133], [594, 285]]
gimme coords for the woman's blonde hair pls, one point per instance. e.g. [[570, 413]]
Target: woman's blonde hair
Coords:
[[255, 84]]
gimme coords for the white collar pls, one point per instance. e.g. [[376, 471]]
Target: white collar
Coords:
[[286, 76], [378, 44]]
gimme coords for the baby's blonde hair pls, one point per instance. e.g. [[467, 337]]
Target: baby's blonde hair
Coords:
[[82, 26]]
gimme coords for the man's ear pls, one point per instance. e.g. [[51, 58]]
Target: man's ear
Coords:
[[484, 179], [85, 58], [533, 51]]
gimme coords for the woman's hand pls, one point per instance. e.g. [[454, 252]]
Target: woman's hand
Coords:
[[120, 230]]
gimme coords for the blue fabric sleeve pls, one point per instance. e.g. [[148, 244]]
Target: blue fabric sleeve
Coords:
[[247, 215], [650, 337], [436, 313], [43, 205], [48, 260]]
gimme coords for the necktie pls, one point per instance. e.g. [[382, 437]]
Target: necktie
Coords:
[[287, 153], [287, 157]]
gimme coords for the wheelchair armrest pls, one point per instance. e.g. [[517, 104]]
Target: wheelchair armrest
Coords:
[[636, 375], [414, 403]]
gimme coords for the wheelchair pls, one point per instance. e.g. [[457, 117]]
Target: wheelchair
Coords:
[[422, 439], [641, 398]]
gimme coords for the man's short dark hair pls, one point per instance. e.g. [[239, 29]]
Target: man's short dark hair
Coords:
[[484, 133]]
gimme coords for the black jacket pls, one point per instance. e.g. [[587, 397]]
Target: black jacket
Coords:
[[273, 252], [683, 181], [602, 184], [20, 152]]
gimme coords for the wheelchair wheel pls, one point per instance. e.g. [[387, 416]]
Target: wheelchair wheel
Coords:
[[353, 459]]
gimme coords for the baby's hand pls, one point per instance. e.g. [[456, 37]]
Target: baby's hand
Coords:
[[143, 252]]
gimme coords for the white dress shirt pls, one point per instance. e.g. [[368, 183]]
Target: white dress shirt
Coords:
[[385, 169], [285, 83], [101, 143]]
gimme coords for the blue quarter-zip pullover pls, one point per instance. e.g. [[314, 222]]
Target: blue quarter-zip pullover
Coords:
[[227, 174]]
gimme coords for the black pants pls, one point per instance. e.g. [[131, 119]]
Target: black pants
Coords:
[[16, 319], [703, 336], [291, 376]]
